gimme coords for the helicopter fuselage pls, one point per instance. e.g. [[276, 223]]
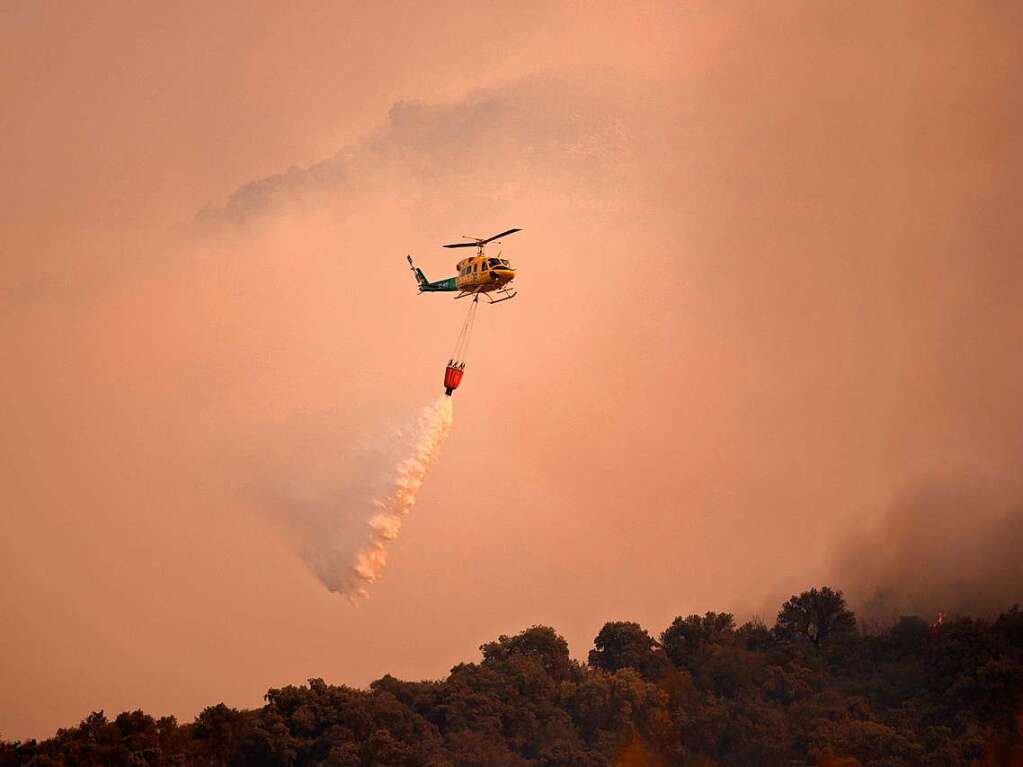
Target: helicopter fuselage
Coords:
[[476, 274], [483, 274]]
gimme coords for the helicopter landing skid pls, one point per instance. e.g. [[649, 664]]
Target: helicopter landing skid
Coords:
[[506, 295]]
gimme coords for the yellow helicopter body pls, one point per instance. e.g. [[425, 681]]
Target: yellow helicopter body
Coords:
[[477, 274]]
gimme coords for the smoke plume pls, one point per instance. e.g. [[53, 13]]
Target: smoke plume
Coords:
[[947, 546]]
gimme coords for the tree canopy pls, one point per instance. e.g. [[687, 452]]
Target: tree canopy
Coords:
[[815, 615], [812, 689]]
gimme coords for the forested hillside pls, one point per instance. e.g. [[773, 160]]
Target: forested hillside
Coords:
[[814, 688]]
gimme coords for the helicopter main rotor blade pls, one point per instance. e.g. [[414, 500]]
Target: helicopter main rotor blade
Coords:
[[476, 243], [499, 236]]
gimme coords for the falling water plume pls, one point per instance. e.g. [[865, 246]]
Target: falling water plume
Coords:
[[424, 441]]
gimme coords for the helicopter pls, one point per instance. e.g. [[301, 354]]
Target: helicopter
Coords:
[[477, 275]]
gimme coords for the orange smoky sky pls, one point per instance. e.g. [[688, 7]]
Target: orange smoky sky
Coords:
[[769, 317]]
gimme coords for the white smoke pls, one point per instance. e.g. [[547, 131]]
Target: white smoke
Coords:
[[352, 557]]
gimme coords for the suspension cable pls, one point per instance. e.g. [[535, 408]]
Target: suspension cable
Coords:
[[465, 334]]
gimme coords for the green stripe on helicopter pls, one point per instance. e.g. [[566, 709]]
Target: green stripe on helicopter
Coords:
[[439, 285]]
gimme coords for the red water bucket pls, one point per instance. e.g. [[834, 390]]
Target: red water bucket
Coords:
[[452, 377]]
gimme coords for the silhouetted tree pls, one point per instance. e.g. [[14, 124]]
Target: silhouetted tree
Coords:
[[1010, 626], [624, 644], [816, 615], [216, 732], [911, 695], [688, 636], [755, 635], [541, 643]]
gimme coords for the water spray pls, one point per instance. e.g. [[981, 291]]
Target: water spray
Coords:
[[424, 441]]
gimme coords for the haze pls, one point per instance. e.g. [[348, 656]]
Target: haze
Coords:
[[769, 311]]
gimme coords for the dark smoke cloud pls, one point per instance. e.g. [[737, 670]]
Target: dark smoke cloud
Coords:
[[554, 129], [949, 546]]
